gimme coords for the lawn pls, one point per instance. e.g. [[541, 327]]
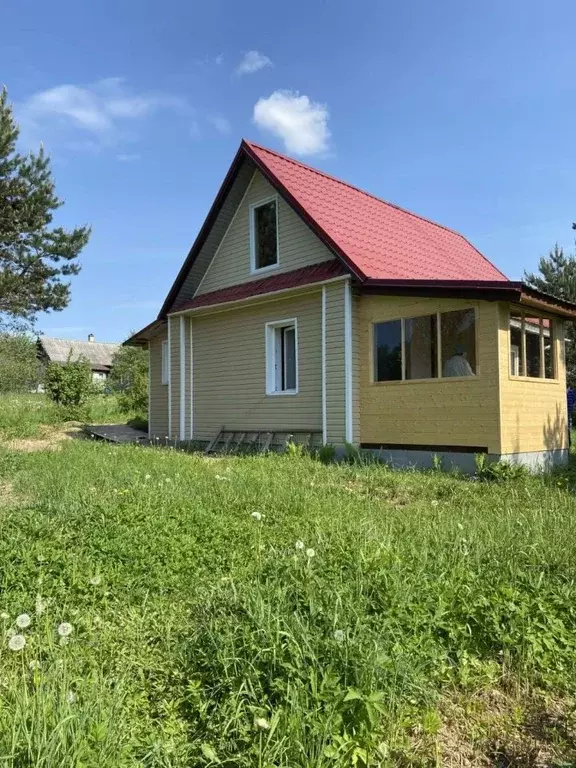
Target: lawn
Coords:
[[275, 611]]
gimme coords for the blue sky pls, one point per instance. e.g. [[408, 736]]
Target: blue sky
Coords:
[[463, 112]]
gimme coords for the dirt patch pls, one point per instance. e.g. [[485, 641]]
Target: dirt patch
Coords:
[[498, 729], [48, 440], [8, 496]]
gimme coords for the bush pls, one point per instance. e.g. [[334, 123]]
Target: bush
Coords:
[[129, 378], [19, 367], [70, 385]]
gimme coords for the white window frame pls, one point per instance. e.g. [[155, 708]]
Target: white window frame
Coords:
[[165, 376], [271, 354], [253, 268]]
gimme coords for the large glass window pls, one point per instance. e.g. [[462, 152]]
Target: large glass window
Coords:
[[388, 351], [426, 347], [264, 235], [531, 345]]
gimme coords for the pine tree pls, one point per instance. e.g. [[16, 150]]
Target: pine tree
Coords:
[[35, 258], [558, 278]]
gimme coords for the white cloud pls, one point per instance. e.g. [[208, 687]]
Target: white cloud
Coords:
[[252, 62], [100, 110], [221, 124], [128, 158], [302, 124]]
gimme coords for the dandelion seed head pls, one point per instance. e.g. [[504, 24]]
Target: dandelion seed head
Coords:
[[34, 664], [310, 552], [64, 640], [23, 621], [16, 642], [339, 635], [147, 477], [435, 502], [65, 629], [96, 580], [299, 544], [262, 724], [257, 516], [39, 606], [70, 697]]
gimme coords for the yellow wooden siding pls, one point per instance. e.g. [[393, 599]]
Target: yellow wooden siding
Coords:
[[230, 369], [335, 365], [533, 411], [158, 391], [356, 336], [298, 245], [441, 412]]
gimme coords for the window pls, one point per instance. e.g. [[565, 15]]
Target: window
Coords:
[[282, 358], [531, 346], [164, 362], [264, 235], [426, 347]]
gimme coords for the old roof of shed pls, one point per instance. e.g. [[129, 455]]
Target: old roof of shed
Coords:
[[98, 353]]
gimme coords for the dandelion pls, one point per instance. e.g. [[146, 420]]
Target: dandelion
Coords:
[[262, 724], [310, 552], [34, 664], [96, 580], [299, 544], [16, 642], [65, 629], [64, 640], [23, 621], [221, 477], [339, 635], [168, 479], [257, 516], [4, 616], [70, 697], [435, 503], [147, 477]]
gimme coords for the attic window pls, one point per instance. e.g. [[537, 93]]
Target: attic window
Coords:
[[264, 235]]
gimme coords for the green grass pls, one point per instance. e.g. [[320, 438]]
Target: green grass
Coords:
[[25, 416], [205, 636]]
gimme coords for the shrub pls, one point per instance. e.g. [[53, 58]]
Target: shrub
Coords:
[[129, 378], [70, 385], [19, 367]]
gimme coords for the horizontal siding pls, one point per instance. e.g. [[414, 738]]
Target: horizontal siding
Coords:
[[158, 392], [440, 412], [335, 365], [229, 387], [298, 245], [533, 411]]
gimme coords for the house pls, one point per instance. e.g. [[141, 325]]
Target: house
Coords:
[[99, 354], [306, 304]]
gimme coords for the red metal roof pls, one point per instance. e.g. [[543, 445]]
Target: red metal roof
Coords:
[[377, 240], [298, 277]]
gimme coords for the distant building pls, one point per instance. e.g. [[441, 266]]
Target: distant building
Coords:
[[99, 354]]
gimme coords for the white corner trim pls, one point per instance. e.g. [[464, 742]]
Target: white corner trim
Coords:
[[191, 381], [262, 270], [182, 378], [169, 378], [324, 420], [150, 389], [348, 358]]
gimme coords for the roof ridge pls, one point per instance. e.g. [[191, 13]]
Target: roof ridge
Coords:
[[78, 341], [374, 197]]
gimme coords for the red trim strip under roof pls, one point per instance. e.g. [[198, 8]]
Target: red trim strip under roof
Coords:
[[317, 273]]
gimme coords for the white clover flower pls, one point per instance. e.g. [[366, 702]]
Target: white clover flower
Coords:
[[16, 642], [23, 621], [34, 664], [70, 697], [262, 724], [310, 552], [65, 629], [96, 580], [257, 516], [339, 635], [4, 616], [299, 544]]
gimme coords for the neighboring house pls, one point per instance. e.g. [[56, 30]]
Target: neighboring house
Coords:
[[98, 354], [307, 304]]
